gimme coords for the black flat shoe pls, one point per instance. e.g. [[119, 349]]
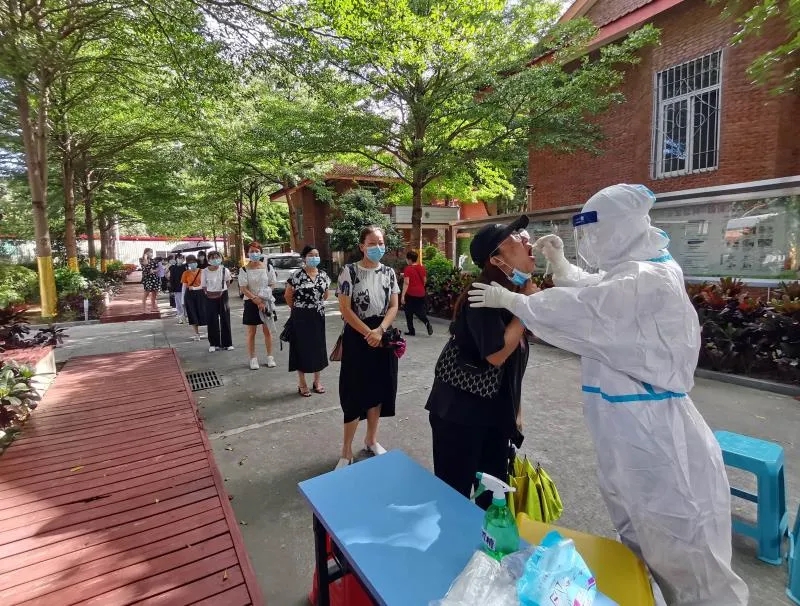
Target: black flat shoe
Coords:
[[411, 334]]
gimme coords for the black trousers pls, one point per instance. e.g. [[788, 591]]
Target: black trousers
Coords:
[[218, 320], [461, 451], [415, 306]]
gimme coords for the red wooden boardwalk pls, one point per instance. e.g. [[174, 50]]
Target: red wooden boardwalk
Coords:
[[127, 305], [112, 495]]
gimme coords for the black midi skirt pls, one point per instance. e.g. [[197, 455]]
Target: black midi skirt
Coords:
[[308, 351], [368, 377], [194, 302]]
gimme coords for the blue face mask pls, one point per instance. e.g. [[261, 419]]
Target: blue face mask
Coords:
[[192, 265], [517, 277], [375, 253], [312, 261], [255, 256], [215, 262]]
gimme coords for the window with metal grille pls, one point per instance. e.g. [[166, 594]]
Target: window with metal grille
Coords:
[[686, 133]]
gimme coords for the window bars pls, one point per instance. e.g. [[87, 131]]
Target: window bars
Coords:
[[687, 121]]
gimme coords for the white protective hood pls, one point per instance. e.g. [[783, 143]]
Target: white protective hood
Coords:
[[635, 317]]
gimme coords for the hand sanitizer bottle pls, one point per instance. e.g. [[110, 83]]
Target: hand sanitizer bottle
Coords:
[[500, 535]]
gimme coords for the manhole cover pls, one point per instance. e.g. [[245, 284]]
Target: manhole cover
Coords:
[[204, 379]]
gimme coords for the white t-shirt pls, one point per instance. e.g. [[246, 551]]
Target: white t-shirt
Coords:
[[372, 290], [259, 281], [216, 280]]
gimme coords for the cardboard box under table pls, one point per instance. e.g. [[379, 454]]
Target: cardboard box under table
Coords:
[[405, 535]]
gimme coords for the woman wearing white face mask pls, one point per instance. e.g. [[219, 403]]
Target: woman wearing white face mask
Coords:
[[215, 280], [256, 280], [306, 292], [368, 300]]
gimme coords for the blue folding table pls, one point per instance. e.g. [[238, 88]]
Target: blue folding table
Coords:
[[402, 532]]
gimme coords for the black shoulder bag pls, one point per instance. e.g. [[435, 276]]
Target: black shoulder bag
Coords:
[[476, 377]]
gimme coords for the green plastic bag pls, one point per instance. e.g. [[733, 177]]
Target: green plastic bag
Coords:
[[536, 494]]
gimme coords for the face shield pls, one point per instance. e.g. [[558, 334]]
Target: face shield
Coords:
[[586, 233]]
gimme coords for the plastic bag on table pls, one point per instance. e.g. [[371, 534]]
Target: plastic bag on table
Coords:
[[483, 582], [554, 572]]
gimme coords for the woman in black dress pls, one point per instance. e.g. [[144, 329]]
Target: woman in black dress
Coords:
[[368, 300], [306, 292], [150, 280]]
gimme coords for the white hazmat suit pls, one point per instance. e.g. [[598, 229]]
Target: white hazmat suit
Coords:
[[660, 468]]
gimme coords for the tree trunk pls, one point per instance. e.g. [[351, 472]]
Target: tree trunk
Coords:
[[68, 178], [89, 222], [293, 235], [34, 139], [416, 219], [103, 224]]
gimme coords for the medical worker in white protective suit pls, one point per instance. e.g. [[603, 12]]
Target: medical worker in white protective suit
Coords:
[[660, 469]]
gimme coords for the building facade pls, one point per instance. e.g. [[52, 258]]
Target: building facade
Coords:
[[721, 153]]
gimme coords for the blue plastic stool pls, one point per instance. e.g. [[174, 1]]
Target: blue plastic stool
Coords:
[[793, 586], [765, 460]]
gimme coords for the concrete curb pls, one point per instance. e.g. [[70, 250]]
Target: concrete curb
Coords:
[[780, 388], [66, 324]]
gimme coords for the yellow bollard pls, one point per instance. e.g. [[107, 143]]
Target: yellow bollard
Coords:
[[47, 287]]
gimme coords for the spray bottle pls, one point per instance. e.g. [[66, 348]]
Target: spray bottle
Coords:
[[500, 535]]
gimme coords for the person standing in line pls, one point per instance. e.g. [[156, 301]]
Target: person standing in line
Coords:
[[193, 298], [413, 295], [306, 292], [215, 281], [256, 280], [202, 262], [175, 272], [368, 300], [150, 279]]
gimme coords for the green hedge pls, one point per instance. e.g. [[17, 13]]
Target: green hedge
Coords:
[[18, 284]]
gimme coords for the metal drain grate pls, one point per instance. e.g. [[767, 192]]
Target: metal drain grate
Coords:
[[203, 379]]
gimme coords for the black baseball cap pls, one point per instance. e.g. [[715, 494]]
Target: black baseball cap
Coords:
[[489, 237]]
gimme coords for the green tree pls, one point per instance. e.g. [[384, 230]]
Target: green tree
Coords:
[[274, 222], [354, 211], [779, 66], [425, 87]]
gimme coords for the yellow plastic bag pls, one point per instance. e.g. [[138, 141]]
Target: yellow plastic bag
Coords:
[[536, 494]]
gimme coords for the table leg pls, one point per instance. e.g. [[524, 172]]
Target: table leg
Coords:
[[320, 548]]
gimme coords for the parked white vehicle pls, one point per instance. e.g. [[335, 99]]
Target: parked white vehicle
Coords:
[[285, 264]]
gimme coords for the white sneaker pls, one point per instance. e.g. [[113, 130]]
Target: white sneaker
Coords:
[[376, 449], [229, 348], [254, 364], [195, 337], [180, 321], [271, 362], [343, 463], [212, 348]]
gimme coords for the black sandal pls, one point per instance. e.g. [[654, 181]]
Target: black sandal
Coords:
[[305, 394], [318, 388]]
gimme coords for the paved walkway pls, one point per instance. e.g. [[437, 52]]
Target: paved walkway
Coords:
[[127, 305], [266, 438], [111, 496]]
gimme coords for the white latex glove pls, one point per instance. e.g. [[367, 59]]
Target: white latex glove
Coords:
[[494, 295], [552, 248]]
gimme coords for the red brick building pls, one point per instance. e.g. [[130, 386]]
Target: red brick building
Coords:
[[692, 118], [312, 216]]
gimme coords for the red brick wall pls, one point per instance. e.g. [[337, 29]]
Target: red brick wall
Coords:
[[759, 136]]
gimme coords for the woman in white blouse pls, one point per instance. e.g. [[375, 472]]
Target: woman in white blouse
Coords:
[[215, 281], [368, 300], [256, 280]]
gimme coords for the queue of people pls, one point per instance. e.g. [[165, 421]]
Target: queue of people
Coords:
[[623, 308]]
